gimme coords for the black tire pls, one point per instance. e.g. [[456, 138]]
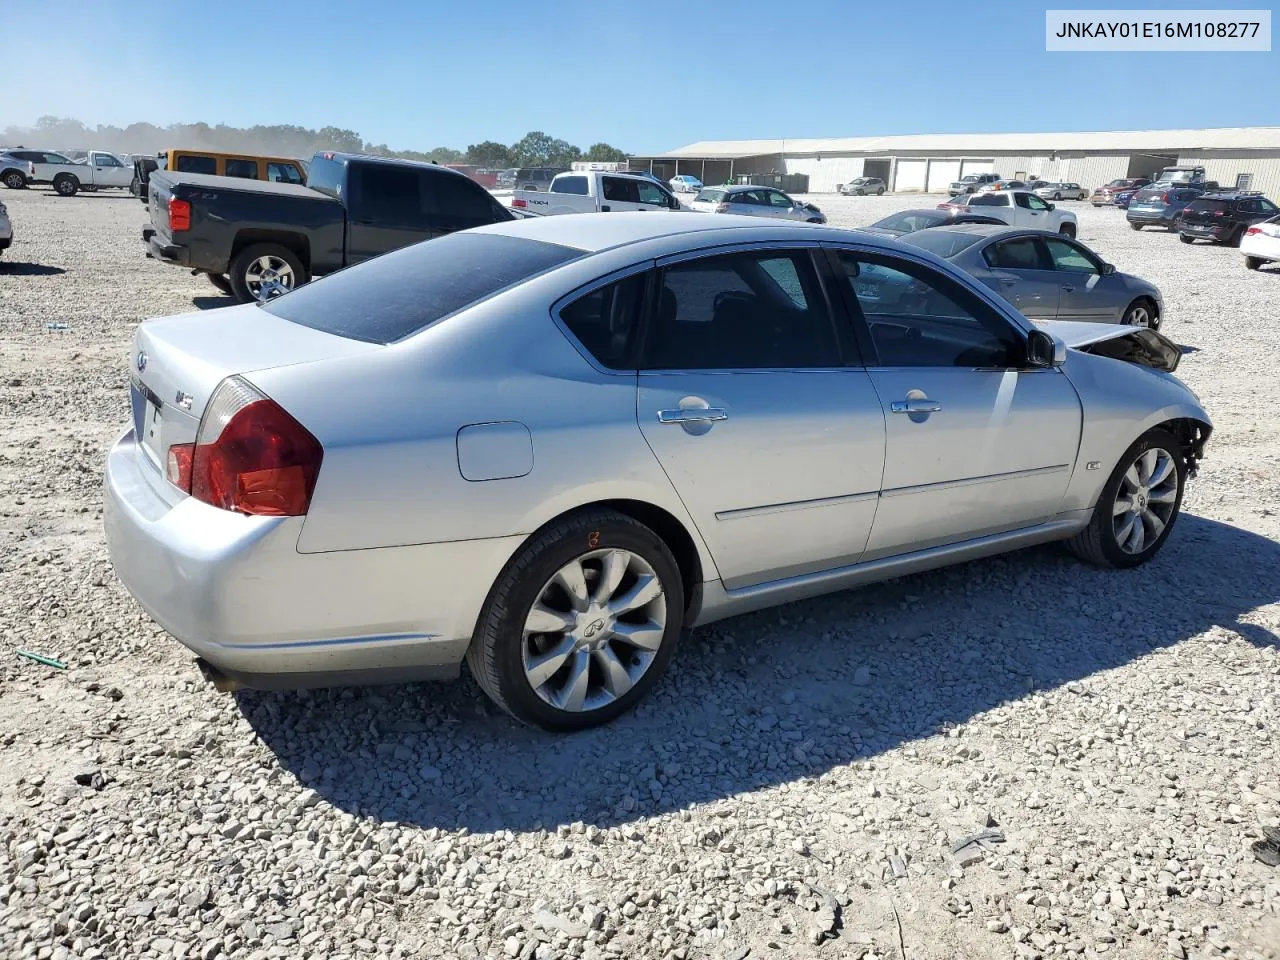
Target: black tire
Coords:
[[1142, 303], [880, 192], [245, 258], [1253, 263], [1057, 196], [1097, 543], [1235, 238], [496, 654], [1068, 230], [1134, 226], [1185, 239], [135, 186], [14, 179], [813, 220], [65, 185], [221, 282]]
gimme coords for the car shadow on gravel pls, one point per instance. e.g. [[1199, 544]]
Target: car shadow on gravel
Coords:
[[16, 268], [213, 302], [772, 697]]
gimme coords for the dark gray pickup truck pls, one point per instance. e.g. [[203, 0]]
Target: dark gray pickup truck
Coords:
[[257, 240]]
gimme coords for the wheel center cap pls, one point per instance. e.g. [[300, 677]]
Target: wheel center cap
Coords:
[[593, 629], [1140, 501]]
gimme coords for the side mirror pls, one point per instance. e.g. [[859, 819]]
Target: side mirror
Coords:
[[673, 202], [1108, 269], [1045, 350], [1049, 205]]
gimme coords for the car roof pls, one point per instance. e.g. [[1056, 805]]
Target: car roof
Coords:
[[595, 233], [990, 230]]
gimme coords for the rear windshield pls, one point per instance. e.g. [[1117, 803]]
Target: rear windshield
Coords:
[[1209, 206], [710, 196], [390, 297], [909, 221], [941, 242]]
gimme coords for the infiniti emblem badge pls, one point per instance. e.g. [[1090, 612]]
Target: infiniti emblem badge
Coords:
[[142, 360], [595, 628]]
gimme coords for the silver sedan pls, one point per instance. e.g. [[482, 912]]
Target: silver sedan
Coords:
[[749, 201], [1046, 275], [517, 445], [1062, 190]]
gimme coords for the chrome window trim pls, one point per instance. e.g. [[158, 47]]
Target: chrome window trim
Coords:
[[576, 294]]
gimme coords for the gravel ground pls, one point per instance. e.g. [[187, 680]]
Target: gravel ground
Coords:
[[802, 784]]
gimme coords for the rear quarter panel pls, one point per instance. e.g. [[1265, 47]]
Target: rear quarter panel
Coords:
[[389, 424]]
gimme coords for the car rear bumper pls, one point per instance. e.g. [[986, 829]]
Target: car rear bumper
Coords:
[[1140, 215], [235, 590], [1260, 245], [168, 252]]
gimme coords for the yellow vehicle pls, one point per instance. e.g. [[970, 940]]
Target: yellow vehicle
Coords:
[[243, 165]]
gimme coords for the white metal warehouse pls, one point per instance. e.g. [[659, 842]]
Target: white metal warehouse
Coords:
[[1248, 157]]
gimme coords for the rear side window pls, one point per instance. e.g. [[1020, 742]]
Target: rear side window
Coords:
[[1021, 253], [605, 321], [742, 311], [574, 185], [244, 169], [191, 163], [1209, 206], [620, 190], [326, 176], [390, 297]]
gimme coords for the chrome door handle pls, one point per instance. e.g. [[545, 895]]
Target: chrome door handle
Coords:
[[1068, 289], [692, 415], [915, 406]]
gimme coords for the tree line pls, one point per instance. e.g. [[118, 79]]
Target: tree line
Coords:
[[534, 149]]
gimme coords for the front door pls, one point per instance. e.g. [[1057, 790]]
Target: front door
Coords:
[[772, 442], [975, 443], [1021, 273], [1030, 211], [108, 171], [1085, 293]]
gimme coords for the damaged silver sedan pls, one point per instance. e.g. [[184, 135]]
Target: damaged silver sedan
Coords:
[[549, 446]]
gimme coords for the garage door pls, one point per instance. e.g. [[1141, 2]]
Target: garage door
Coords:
[[977, 166], [941, 173], [911, 175]]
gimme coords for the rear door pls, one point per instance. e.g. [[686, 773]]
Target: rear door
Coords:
[[1022, 273], [384, 209], [108, 171], [619, 195], [993, 204], [750, 397]]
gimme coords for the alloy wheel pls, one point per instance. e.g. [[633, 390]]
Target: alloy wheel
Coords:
[[1139, 316], [594, 630], [1145, 500], [268, 277]]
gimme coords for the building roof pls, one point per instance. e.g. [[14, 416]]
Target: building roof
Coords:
[[1220, 138]]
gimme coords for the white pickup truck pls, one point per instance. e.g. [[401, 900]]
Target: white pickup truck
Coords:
[[596, 192], [96, 171]]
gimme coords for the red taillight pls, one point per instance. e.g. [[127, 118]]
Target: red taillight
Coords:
[[519, 202], [179, 215], [1218, 213], [1252, 231], [250, 455], [1164, 198], [722, 208]]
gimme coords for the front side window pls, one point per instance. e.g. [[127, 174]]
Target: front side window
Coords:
[[652, 194], [606, 320], [244, 169], [742, 311], [1068, 257], [194, 163], [106, 160], [918, 317], [283, 173]]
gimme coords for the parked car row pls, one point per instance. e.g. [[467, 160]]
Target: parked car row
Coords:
[[1017, 208], [97, 170]]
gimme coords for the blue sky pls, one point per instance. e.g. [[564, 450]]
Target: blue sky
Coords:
[[424, 73]]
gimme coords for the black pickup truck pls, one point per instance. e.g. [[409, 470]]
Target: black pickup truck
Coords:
[[257, 240]]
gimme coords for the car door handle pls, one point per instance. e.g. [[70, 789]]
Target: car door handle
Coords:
[[604, 209], [365, 221], [1008, 281], [1067, 288], [693, 415], [915, 406]]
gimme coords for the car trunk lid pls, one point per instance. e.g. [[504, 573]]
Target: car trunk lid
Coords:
[[179, 361], [1205, 212]]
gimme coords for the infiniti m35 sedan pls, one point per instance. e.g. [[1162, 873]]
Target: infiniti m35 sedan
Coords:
[[548, 446]]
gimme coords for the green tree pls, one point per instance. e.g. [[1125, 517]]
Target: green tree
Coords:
[[489, 153], [604, 152], [562, 153], [532, 150]]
